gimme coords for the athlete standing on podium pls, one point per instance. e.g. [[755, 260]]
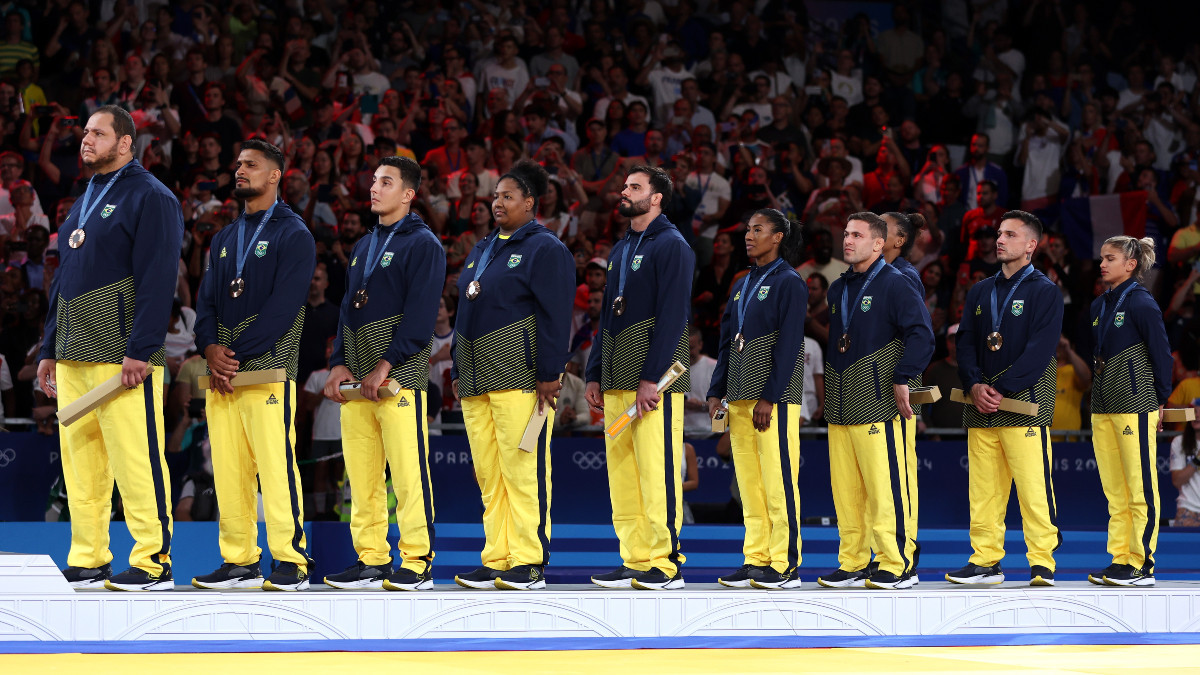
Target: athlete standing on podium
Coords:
[[1010, 327], [110, 304], [1131, 380], [386, 333], [249, 315]]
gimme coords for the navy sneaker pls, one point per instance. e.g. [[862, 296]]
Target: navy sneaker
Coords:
[[655, 579], [405, 579], [87, 577], [840, 578], [770, 579], [522, 578], [360, 575], [887, 581], [1041, 576], [286, 577], [1112, 570], [622, 577], [230, 575], [743, 577], [137, 579], [483, 577], [976, 574], [1130, 576]]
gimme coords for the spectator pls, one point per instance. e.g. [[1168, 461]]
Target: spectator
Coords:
[[813, 408], [536, 123], [320, 324], [449, 157], [927, 184], [695, 405], [1074, 380], [900, 49], [715, 195], [618, 90], [816, 321], [1042, 142], [476, 157], [507, 71], [1185, 463], [978, 169], [631, 140], [943, 374], [664, 74]]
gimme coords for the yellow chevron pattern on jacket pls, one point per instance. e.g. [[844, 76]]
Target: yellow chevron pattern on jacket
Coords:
[[624, 355], [285, 354], [95, 326], [750, 369], [1127, 384], [1045, 389], [365, 346], [493, 362], [862, 393]]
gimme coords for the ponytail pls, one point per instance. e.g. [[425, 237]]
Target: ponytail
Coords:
[[791, 248], [1141, 250], [910, 224]]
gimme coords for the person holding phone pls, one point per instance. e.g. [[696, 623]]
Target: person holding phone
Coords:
[[760, 372], [1131, 381]]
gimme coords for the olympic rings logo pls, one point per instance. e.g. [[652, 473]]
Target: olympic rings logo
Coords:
[[589, 461], [7, 456]]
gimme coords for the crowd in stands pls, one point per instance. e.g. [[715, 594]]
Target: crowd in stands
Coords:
[[959, 110]]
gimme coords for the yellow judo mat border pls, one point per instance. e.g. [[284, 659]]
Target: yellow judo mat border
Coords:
[[518, 644], [1026, 660]]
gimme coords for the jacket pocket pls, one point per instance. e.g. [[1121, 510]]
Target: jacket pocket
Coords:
[[121, 314], [1133, 383], [878, 387], [525, 343]]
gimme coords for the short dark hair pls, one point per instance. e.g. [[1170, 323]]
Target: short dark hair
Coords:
[[474, 141], [122, 121], [1027, 219], [991, 184], [410, 171], [269, 150], [660, 180], [878, 225], [534, 109], [821, 280]]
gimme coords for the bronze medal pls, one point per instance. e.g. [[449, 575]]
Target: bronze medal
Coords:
[[77, 238], [843, 343], [236, 287], [360, 298], [619, 305], [473, 290], [739, 342], [1099, 365], [995, 341]]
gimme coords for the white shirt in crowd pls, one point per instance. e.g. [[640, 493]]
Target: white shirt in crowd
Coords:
[[5, 383], [1189, 494], [848, 87], [713, 188], [486, 180], [1043, 171], [327, 425], [667, 86], [814, 364], [701, 377]]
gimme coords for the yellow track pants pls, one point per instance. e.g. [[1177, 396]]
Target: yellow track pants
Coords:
[[1126, 458], [767, 466]]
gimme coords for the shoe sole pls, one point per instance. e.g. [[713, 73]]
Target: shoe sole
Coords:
[[1099, 581], [849, 583], [1039, 581], [477, 585], [423, 585], [520, 586], [620, 583], [744, 583], [672, 585], [256, 582], [987, 579], [353, 585], [776, 586], [164, 585], [268, 586], [1141, 583], [90, 583]]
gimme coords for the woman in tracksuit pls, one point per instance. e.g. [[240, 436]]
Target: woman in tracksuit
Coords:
[[1131, 380], [760, 372]]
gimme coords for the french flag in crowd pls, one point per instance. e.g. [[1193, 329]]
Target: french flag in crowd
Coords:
[[1088, 221]]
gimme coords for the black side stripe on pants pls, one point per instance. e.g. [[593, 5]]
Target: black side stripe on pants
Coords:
[[1149, 474], [293, 478], [1049, 485], [785, 465], [426, 488], [894, 458], [672, 474], [904, 444], [161, 497], [543, 458]]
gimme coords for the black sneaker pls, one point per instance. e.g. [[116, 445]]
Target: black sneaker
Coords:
[[770, 579], [137, 579], [360, 575], [522, 578], [405, 579], [1130, 576], [741, 578], [286, 577], [1112, 570], [655, 579], [1041, 576], [887, 581], [840, 578], [230, 575], [484, 577], [622, 577], [87, 577], [976, 574]]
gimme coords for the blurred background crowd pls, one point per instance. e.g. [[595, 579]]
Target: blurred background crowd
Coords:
[[1086, 114]]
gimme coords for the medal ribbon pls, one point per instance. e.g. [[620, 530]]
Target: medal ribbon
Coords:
[[846, 313], [742, 303], [243, 250], [998, 314], [485, 258], [372, 261], [88, 205], [625, 260], [1105, 323]]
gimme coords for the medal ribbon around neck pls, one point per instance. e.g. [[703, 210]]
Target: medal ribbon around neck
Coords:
[[1105, 323], [485, 258], [372, 261], [742, 302], [847, 315], [625, 261], [88, 206], [243, 249], [998, 312]]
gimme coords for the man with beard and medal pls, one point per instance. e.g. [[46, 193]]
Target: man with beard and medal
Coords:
[[644, 330], [879, 335], [249, 316], [386, 333], [110, 304], [1006, 341]]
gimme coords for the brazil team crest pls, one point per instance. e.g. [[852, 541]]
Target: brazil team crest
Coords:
[[637, 263], [386, 260], [514, 260], [1119, 319], [866, 303], [762, 292], [107, 210], [261, 249], [1018, 307]]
